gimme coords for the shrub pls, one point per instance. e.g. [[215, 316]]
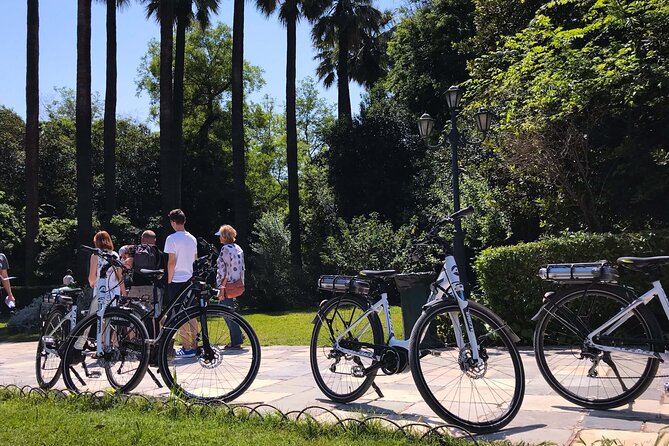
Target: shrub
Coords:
[[507, 276], [275, 283], [27, 319], [366, 243]]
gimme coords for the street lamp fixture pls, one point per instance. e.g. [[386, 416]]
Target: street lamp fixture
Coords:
[[453, 96], [483, 119]]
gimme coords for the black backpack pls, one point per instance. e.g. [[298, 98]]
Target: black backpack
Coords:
[[147, 257]]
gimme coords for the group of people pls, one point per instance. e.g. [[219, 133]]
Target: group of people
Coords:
[[177, 259]]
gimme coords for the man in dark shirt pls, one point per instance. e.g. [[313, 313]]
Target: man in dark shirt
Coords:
[[4, 277], [141, 286]]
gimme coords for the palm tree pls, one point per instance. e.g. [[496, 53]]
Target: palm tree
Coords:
[[32, 134], [83, 130], [165, 14], [237, 90], [109, 135], [183, 16], [290, 12], [341, 27]]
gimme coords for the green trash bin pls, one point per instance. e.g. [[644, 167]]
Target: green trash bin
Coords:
[[414, 290]]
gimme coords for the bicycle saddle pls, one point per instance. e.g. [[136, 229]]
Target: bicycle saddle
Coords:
[[152, 274], [639, 263], [384, 274]]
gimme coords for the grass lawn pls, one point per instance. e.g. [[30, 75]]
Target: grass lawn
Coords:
[[294, 328], [90, 421], [284, 328]]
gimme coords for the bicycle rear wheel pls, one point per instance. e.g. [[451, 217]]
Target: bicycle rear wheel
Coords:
[[124, 359], [585, 375], [225, 371], [52, 337], [480, 397], [344, 377]]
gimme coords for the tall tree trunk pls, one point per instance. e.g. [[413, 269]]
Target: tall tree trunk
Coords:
[[83, 133], [32, 136], [179, 101], [291, 145], [110, 117], [238, 162], [343, 94], [166, 14]]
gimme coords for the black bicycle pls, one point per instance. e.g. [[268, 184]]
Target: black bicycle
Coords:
[[216, 371]]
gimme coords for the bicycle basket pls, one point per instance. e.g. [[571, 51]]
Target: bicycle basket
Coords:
[[343, 284], [601, 271]]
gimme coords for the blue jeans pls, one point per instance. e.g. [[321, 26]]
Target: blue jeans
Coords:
[[236, 337]]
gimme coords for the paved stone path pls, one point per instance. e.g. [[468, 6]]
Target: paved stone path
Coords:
[[285, 381]]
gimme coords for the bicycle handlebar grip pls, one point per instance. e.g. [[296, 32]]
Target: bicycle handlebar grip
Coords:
[[88, 249], [469, 210]]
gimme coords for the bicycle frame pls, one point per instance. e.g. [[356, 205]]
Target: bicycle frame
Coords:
[[616, 321], [375, 308], [448, 283], [69, 316]]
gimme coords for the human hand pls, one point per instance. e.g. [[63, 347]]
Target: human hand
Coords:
[[221, 293]]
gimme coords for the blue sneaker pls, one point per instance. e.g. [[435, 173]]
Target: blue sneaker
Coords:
[[183, 353]]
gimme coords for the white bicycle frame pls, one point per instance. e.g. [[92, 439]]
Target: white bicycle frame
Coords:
[[619, 319], [70, 316], [105, 296], [449, 276], [376, 308]]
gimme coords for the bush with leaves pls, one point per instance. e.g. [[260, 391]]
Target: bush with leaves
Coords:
[[508, 279], [27, 319], [56, 243], [275, 283], [366, 243]]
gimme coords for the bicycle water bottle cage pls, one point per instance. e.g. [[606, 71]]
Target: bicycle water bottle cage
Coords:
[[601, 271], [343, 284]]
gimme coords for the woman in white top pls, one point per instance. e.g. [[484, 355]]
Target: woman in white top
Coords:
[[230, 269]]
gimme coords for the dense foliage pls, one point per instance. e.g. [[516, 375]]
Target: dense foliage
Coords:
[[579, 88]]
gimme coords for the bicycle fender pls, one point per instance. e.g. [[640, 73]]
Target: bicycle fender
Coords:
[[319, 313], [548, 302]]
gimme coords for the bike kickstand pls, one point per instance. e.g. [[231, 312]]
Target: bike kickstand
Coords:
[[153, 377], [377, 390]]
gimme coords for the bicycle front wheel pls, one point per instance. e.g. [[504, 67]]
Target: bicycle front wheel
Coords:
[[52, 338], [586, 375], [481, 397], [124, 358], [219, 371], [344, 376]]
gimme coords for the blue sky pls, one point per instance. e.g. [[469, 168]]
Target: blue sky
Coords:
[[264, 46]]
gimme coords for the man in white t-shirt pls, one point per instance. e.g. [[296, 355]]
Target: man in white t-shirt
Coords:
[[181, 248]]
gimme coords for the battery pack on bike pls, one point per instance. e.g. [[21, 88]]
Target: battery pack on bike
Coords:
[[343, 284], [601, 271]]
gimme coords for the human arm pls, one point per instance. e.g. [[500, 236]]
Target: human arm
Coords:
[[121, 281], [5, 284], [222, 273], [171, 265], [93, 270]]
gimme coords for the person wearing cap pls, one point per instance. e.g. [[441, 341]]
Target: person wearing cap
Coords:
[[229, 269], [4, 277]]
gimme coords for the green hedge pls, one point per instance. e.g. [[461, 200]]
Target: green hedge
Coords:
[[508, 281]]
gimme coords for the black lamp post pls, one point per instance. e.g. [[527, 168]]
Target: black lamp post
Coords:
[[483, 119]]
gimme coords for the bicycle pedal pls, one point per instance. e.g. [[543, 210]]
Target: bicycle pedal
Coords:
[[357, 371], [93, 374]]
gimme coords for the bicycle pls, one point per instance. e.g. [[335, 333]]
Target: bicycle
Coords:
[[116, 337], [215, 372], [56, 324], [451, 330], [596, 343]]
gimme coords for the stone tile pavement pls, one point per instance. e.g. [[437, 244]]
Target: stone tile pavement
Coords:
[[285, 381]]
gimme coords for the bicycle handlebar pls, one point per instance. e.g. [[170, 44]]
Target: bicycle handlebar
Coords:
[[431, 235], [111, 259]]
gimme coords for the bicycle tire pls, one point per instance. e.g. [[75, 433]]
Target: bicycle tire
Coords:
[[480, 399], [334, 379], [47, 360], [125, 358], [222, 375], [566, 363]]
